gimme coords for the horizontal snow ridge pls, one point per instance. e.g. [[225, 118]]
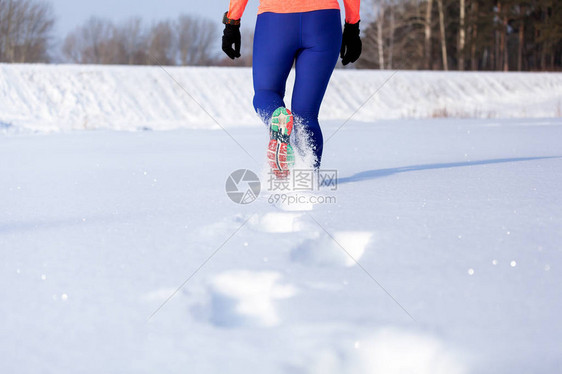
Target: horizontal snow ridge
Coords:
[[73, 97]]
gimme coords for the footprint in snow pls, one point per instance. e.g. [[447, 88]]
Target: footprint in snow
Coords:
[[245, 298], [277, 222], [343, 248], [386, 350]]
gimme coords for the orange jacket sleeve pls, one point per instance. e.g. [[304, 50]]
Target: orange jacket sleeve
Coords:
[[236, 8], [352, 10]]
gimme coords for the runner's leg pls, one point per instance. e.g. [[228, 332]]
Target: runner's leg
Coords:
[[276, 42], [321, 42]]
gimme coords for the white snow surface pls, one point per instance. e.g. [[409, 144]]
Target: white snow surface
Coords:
[[438, 251], [64, 97], [120, 252]]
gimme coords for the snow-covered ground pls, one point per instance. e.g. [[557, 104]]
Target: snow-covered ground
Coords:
[[438, 251], [62, 97], [452, 228]]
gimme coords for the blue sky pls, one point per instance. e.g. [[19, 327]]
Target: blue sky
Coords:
[[72, 13]]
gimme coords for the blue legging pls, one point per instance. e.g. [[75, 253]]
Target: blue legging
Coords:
[[312, 41]]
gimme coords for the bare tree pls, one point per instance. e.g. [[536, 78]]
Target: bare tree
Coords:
[[392, 40], [374, 38], [462, 37], [501, 56], [161, 44], [427, 32], [195, 40], [25, 30], [521, 36], [392, 27], [93, 43], [133, 38], [443, 35], [380, 37], [473, 34]]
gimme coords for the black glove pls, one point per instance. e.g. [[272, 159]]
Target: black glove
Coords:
[[230, 36], [351, 45]]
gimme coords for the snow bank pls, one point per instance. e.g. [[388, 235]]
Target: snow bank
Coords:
[[65, 97]]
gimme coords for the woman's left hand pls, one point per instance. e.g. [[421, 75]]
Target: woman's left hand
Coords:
[[351, 45]]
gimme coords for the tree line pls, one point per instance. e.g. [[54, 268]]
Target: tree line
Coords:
[[186, 40], [26, 35], [504, 35]]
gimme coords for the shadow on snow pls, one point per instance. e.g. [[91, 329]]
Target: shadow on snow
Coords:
[[373, 174]]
